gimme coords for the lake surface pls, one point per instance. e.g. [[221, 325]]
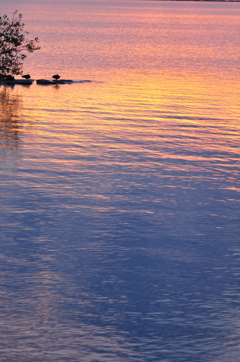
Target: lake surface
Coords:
[[120, 227]]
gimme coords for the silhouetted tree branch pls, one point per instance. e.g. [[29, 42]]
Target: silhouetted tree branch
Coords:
[[14, 44]]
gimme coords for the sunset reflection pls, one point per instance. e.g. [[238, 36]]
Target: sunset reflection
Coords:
[[120, 211], [10, 110], [191, 120]]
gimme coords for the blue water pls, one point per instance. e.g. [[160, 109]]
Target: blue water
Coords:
[[120, 196]]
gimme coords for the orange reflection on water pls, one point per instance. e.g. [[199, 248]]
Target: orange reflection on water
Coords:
[[165, 85], [188, 118], [10, 122], [154, 134]]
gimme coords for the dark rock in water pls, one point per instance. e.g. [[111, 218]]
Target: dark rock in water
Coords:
[[56, 76], [26, 76], [6, 77], [62, 81], [57, 81], [45, 81], [9, 77], [16, 81]]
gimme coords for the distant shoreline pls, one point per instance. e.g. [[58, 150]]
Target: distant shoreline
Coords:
[[206, 1]]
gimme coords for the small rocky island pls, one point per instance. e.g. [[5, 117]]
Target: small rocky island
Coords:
[[13, 48], [56, 80], [27, 80]]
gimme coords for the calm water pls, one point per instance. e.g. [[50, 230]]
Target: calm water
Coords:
[[120, 196]]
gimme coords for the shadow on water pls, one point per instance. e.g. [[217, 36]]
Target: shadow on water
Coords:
[[9, 118]]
